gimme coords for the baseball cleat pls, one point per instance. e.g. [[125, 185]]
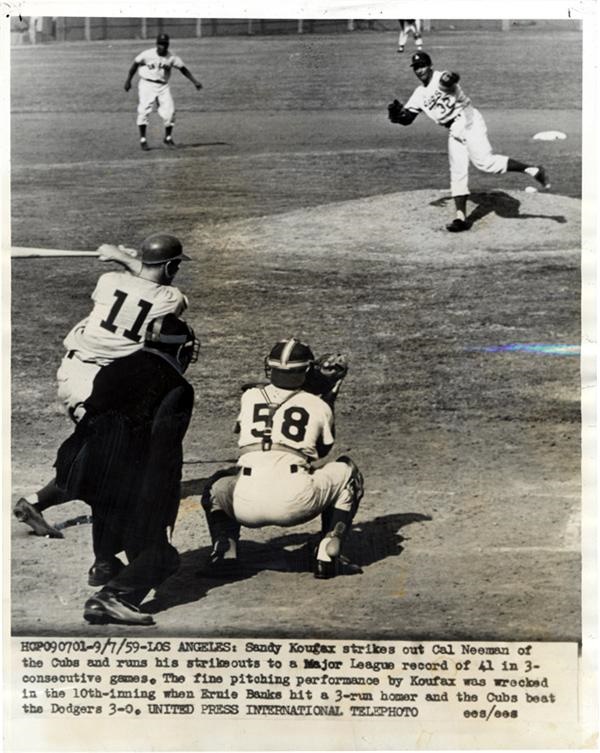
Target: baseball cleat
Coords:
[[169, 142], [223, 561], [144, 145], [106, 607], [458, 226], [339, 566], [400, 49], [31, 516], [542, 177], [102, 571]]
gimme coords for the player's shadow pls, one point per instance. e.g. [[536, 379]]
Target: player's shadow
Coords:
[[368, 542], [499, 203]]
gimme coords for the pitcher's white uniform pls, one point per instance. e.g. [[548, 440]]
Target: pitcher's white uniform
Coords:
[[467, 137], [154, 72], [124, 304], [279, 486]]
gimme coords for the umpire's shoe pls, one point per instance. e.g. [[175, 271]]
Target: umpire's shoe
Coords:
[[105, 607], [31, 516], [104, 570], [458, 226]]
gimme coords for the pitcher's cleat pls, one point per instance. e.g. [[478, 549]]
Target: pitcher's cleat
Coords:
[[542, 177]]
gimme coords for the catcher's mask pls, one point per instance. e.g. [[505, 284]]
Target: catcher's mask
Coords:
[[288, 363], [171, 335]]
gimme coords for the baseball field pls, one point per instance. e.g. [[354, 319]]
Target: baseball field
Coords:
[[308, 213]]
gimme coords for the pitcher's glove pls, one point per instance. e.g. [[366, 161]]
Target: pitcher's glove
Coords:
[[394, 110], [448, 80], [326, 375]]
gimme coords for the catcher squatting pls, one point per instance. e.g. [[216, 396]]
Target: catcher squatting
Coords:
[[125, 456], [442, 99]]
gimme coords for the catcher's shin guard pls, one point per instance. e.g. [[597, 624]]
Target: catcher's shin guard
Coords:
[[335, 525]]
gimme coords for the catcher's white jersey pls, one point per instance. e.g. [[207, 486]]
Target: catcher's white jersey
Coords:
[[439, 105], [302, 420], [124, 304], [155, 67]]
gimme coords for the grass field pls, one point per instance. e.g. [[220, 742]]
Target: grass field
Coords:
[[308, 213]]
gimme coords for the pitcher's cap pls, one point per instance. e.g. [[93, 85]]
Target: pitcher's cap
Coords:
[[419, 60]]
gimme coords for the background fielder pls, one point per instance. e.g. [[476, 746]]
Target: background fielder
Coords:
[[409, 26], [442, 99], [154, 67]]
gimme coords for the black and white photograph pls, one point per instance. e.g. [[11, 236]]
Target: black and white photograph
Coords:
[[297, 333]]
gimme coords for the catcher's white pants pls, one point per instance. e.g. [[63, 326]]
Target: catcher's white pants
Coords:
[[75, 381], [468, 141], [149, 93], [413, 27], [277, 489]]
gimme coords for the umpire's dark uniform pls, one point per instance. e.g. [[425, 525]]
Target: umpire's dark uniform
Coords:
[[125, 460]]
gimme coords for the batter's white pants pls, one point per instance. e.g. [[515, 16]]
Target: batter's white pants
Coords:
[[75, 381], [277, 489], [149, 93], [468, 141]]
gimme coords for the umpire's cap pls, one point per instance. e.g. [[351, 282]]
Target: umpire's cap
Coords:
[[159, 248], [420, 60], [163, 39], [288, 362]]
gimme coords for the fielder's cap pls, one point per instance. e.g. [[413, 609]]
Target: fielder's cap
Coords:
[[419, 60], [289, 361], [163, 39], [159, 248]]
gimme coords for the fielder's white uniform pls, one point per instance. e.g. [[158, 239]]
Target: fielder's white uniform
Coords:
[[154, 72], [124, 304], [412, 25], [467, 137], [279, 486]]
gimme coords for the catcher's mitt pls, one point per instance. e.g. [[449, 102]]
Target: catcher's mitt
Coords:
[[326, 374], [394, 110]]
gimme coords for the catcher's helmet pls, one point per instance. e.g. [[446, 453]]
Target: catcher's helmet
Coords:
[[288, 363], [420, 60], [160, 248], [172, 335]]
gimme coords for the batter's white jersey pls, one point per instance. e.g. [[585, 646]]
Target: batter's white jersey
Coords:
[[301, 421], [155, 67], [124, 304], [439, 105]]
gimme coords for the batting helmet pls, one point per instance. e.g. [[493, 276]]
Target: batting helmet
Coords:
[[160, 248], [288, 363], [420, 60], [172, 335]]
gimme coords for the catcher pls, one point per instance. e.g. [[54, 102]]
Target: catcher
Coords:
[[284, 427]]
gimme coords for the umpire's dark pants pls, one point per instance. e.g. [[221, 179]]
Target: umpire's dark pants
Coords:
[[150, 560]]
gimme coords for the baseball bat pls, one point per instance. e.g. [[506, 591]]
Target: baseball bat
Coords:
[[31, 253]]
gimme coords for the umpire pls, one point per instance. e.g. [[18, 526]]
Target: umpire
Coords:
[[124, 459]]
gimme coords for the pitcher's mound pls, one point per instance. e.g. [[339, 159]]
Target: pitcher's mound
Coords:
[[412, 226]]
